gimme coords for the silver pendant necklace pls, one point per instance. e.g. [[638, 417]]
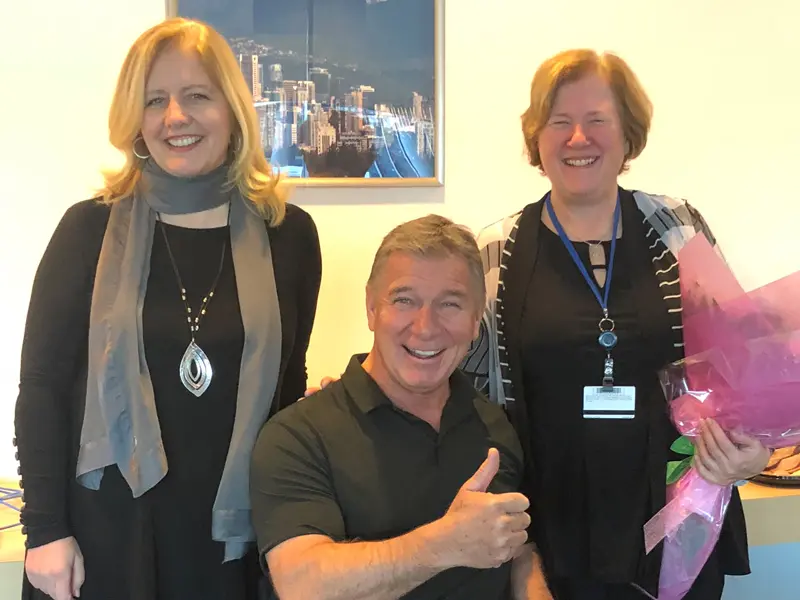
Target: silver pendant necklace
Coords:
[[195, 369]]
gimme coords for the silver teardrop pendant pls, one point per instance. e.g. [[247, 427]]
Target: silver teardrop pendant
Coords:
[[195, 370]]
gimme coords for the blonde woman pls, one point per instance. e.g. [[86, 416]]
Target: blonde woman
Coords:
[[169, 319]]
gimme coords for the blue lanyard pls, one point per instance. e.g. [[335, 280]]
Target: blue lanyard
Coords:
[[603, 300]]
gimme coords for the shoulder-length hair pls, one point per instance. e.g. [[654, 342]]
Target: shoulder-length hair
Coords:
[[635, 108]]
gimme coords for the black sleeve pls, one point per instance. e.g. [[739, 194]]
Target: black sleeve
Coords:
[[306, 243], [291, 489], [509, 475], [512, 472], [53, 352]]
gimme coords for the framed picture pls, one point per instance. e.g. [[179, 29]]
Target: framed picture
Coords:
[[348, 92]]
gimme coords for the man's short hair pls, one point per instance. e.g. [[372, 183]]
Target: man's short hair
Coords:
[[433, 236]]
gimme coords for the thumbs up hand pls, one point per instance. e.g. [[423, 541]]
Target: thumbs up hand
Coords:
[[482, 478], [485, 530]]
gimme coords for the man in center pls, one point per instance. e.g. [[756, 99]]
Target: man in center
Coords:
[[400, 480]]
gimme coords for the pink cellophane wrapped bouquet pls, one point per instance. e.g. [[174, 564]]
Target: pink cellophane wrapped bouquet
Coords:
[[742, 368]]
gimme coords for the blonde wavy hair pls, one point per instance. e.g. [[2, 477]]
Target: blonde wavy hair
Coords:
[[249, 169], [633, 104]]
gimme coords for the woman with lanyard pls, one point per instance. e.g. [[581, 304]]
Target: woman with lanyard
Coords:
[[584, 311]]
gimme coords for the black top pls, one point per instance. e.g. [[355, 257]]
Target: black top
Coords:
[[160, 544], [591, 484], [348, 464]]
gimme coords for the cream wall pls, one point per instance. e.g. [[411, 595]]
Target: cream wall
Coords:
[[721, 75]]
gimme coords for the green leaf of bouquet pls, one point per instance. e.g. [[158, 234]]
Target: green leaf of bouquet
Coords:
[[683, 445], [676, 469]]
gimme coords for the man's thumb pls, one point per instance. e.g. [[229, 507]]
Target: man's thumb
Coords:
[[480, 481]]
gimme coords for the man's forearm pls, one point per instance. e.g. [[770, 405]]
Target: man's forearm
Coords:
[[363, 570], [527, 576]]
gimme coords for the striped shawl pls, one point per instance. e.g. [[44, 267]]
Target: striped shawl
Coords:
[[671, 223]]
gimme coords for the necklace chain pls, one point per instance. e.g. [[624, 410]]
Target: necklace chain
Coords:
[[194, 322]]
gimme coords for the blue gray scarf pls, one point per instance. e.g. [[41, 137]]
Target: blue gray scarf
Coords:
[[120, 424]]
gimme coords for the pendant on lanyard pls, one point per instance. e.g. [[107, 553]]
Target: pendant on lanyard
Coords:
[[607, 338]]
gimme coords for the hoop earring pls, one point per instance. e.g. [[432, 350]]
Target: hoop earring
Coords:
[[236, 144], [135, 153]]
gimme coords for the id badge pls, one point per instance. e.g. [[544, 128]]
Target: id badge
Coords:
[[617, 402]]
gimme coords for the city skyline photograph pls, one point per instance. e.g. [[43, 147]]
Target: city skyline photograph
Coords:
[[342, 88]]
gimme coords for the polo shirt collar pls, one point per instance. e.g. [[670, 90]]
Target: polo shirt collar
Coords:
[[368, 395]]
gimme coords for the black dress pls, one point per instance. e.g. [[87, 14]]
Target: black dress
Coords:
[[591, 489], [159, 546]]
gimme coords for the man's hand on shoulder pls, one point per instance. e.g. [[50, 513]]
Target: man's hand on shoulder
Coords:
[[325, 382]]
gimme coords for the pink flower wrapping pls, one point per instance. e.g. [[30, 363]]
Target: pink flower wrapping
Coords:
[[742, 368]]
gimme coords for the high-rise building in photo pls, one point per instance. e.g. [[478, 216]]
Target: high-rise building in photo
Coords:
[[299, 93], [354, 102], [248, 63], [326, 138], [338, 89], [275, 76], [417, 101], [425, 138], [322, 81]]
